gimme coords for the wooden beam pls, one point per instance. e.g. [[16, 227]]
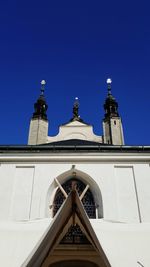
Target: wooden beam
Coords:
[[84, 192], [61, 188]]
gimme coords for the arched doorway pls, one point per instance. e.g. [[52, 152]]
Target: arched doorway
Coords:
[[87, 200], [74, 263]]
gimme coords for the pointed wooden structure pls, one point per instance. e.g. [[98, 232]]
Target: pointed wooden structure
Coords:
[[50, 251]]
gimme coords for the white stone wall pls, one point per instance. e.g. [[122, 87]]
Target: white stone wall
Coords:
[[113, 132], [38, 132], [27, 185], [117, 131], [106, 132]]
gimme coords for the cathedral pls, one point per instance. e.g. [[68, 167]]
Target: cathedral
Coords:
[[75, 199]]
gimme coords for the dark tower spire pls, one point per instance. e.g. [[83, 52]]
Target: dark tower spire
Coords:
[[112, 125], [76, 109], [40, 107], [110, 105], [38, 131]]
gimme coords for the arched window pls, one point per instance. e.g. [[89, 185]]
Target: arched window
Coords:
[[87, 200]]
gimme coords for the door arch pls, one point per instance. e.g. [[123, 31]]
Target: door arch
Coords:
[[74, 263]]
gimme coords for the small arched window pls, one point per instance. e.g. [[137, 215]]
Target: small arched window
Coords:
[[87, 200]]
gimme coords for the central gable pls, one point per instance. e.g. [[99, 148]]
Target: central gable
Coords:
[[75, 130]]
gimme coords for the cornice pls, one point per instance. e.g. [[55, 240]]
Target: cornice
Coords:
[[75, 157]]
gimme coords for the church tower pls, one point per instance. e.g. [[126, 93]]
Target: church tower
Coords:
[[112, 125], [38, 131]]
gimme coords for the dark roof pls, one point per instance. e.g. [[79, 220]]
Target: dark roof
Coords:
[[74, 145], [73, 142]]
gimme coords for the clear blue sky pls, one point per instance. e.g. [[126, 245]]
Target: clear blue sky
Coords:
[[75, 46]]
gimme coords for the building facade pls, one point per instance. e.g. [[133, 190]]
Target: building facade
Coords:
[[75, 199]]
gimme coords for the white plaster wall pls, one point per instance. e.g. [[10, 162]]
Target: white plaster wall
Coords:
[[17, 240], [127, 202], [44, 185], [44, 179], [142, 174], [7, 174], [102, 174], [21, 196], [124, 244], [27, 189], [27, 192]]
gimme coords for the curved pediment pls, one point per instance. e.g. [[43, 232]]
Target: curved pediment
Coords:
[[75, 130]]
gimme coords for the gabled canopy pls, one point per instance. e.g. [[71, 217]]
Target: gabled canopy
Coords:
[[71, 213]]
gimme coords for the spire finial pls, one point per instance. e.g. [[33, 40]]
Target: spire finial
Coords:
[[110, 105], [109, 82], [40, 107], [43, 82], [76, 108]]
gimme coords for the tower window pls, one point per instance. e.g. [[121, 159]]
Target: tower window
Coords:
[[114, 122], [87, 200]]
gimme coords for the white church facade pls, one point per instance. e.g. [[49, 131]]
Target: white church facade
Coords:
[[75, 199]]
